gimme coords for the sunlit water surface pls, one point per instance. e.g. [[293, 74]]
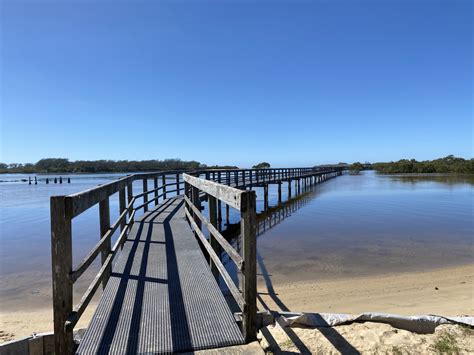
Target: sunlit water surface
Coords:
[[353, 225]]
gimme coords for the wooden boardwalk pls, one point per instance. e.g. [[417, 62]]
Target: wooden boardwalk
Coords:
[[161, 297], [160, 293]]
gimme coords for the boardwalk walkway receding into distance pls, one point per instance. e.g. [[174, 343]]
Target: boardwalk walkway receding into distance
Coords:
[[161, 296], [159, 279]]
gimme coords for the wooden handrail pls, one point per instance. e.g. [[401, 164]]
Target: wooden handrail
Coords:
[[235, 257], [227, 194]]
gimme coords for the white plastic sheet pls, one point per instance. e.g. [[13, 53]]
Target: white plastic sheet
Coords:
[[422, 324]]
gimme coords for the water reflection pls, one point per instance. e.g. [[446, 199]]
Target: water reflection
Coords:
[[446, 179], [357, 225]]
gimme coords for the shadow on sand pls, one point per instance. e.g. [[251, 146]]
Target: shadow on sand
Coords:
[[330, 333]]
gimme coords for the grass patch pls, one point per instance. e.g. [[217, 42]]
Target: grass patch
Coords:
[[446, 343]]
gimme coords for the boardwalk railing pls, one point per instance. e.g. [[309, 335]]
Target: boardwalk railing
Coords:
[[219, 186], [243, 201], [63, 210]]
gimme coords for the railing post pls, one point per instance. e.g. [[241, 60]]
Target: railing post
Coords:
[[219, 206], [214, 243], [104, 219], [163, 183], [155, 187], [130, 195], [122, 207], [61, 256], [248, 230], [196, 202], [177, 184], [145, 195]]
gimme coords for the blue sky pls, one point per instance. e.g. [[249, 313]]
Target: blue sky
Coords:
[[236, 82]]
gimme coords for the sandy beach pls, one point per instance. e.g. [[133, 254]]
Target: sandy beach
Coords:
[[405, 293], [447, 291]]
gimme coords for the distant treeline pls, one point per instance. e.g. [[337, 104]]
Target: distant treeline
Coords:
[[61, 165], [449, 164]]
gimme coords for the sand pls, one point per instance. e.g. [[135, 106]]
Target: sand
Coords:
[[406, 294], [366, 338], [447, 291]]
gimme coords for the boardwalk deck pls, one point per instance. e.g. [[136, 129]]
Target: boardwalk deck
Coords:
[[161, 297]]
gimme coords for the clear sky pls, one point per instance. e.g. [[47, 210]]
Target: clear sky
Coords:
[[237, 82]]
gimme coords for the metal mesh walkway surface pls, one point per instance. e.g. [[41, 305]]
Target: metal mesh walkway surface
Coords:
[[161, 296]]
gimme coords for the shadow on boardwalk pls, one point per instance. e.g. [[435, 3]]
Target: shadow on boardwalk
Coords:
[[179, 322]]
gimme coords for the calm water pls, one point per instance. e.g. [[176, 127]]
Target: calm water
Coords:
[[357, 225], [347, 226]]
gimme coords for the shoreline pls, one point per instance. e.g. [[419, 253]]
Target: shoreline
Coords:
[[406, 293], [444, 291]]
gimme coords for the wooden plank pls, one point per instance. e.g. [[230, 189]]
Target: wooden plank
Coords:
[[61, 258], [227, 194], [249, 240]]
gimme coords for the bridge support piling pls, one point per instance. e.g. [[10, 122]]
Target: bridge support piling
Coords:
[[289, 190]]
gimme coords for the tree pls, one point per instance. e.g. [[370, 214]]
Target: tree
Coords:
[[263, 165], [357, 166]]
